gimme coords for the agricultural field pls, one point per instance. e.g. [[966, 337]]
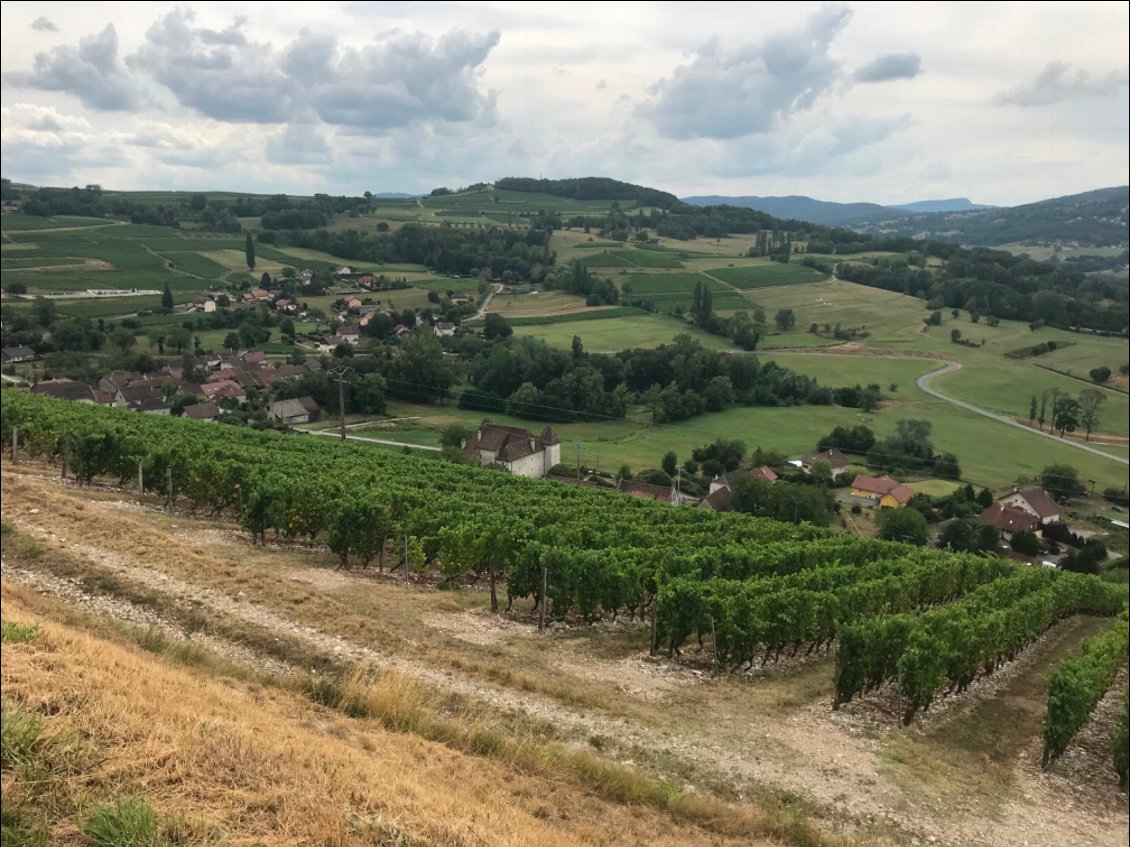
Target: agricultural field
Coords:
[[621, 333], [668, 290], [11, 224], [283, 641], [766, 275]]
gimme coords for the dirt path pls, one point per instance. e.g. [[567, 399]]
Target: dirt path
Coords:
[[840, 762]]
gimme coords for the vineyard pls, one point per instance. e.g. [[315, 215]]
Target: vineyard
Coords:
[[928, 621]]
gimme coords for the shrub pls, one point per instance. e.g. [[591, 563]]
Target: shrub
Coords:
[[130, 822]]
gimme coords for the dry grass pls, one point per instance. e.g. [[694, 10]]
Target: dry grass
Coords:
[[263, 766]]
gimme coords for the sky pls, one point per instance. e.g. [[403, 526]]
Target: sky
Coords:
[[1003, 103]]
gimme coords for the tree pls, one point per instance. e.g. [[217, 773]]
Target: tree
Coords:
[[167, 301], [955, 335], [1066, 418], [1090, 401], [231, 341], [1025, 543], [904, 525], [249, 252], [578, 347], [1062, 482], [287, 329], [264, 280], [453, 435], [670, 463], [179, 338], [497, 326], [946, 465], [122, 338], [1100, 374], [785, 319], [1032, 410], [1042, 415], [44, 311], [957, 535]]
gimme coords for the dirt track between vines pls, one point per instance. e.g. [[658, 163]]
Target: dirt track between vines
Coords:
[[835, 761]]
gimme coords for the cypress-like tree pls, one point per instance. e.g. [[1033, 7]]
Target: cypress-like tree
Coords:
[[249, 252], [167, 298]]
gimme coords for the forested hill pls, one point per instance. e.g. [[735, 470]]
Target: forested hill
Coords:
[[592, 188], [798, 207], [1094, 218]]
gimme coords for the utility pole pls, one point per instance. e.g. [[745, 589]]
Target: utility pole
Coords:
[[339, 374], [578, 445]]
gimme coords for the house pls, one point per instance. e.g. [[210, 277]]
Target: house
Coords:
[[1009, 519], [444, 328], [350, 334], [518, 450], [887, 491], [1035, 501], [833, 457], [343, 270], [254, 357], [763, 473], [728, 480], [153, 405], [329, 343], [202, 412], [137, 396], [66, 389], [11, 355], [401, 331], [353, 303], [648, 491], [223, 389], [366, 280], [719, 499], [460, 300], [295, 411]]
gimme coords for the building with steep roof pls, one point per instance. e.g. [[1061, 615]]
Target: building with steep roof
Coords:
[[517, 449], [1035, 501]]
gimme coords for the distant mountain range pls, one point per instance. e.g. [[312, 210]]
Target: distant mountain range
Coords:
[[800, 208], [1093, 218], [394, 195]]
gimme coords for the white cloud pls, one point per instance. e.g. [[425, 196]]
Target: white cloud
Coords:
[[730, 93], [91, 72], [1057, 82]]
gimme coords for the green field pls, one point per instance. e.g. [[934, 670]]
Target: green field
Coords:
[[615, 334], [606, 260], [30, 223], [767, 275], [668, 290]]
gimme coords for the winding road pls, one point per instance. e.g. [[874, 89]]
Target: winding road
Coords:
[[949, 366]]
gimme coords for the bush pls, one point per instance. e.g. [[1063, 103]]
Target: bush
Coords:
[[1026, 543], [1118, 496]]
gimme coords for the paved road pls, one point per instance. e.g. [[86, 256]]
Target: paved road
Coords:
[[335, 434], [486, 302], [951, 366]]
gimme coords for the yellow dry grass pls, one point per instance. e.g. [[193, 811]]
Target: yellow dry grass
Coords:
[[263, 766]]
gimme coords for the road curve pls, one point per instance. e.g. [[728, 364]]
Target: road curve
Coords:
[[948, 366]]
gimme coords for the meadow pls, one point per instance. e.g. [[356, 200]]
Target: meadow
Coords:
[[668, 290], [621, 333]]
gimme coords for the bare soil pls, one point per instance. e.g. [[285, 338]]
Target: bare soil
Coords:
[[964, 774]]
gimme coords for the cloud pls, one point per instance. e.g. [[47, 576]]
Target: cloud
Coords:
[[43, 144], [42, 24], [403, 79], [298, 144], [90, 72], [890, 66], [733, 93], [1058, 82], [219, 74]]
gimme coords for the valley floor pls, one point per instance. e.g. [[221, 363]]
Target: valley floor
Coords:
[[462, 727]]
